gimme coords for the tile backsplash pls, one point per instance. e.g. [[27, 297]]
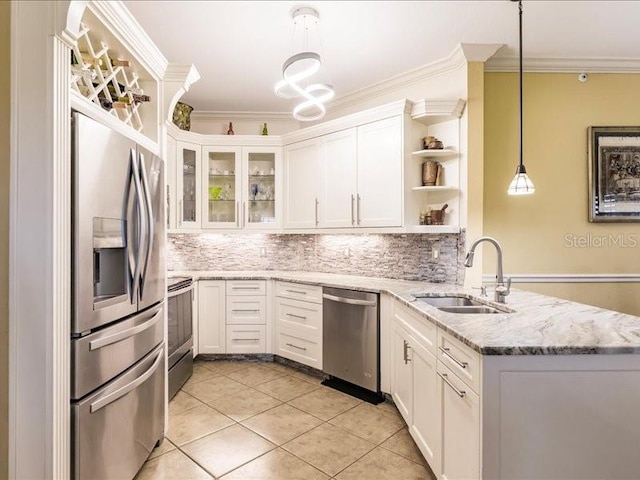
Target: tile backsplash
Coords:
[[401, 256]]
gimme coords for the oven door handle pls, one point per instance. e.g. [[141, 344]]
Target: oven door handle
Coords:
[[350, 301], [118, 337], [122, 391], [181, 291]]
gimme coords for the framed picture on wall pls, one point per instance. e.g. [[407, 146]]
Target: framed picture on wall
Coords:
[[614, 174]]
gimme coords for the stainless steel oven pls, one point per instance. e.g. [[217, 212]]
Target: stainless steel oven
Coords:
[[180, 332]]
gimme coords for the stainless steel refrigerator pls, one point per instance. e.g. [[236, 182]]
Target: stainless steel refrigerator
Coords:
[[117, 325]]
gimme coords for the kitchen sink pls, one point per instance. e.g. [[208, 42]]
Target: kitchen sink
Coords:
[[456, 304], [451, 301], [471, 309]]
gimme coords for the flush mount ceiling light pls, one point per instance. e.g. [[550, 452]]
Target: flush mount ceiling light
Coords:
[[298, 68], [521, 184]]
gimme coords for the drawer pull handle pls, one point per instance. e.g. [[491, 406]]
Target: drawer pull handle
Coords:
[[295, 346], [406, 352], [301, 292], [245, 288], [245, 339], [445, 351], [461, 393], [245, 311], [302, 317]]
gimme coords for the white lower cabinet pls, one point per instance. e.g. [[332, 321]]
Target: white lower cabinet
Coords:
[[211, 316], [246, 338], [425, 425], [460, 427], [298, 323], [441, 410], [402, 377], [246, 317]]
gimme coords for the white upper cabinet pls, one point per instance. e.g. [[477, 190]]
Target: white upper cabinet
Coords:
[[261, 187], [339, 180], [221, 188], [302, 169], [380, 167], [188, 171]]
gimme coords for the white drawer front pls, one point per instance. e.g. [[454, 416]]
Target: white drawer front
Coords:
[[421, 329], [299, 291], [299, 316], [246, 310], [293, 346], [461, 359], [246, 287], [246, 339]]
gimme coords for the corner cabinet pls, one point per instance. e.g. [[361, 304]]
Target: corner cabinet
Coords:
[[242, 187], [188, 172], [224, 186]]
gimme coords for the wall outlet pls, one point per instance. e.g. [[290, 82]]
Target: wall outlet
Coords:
[[263, 252]]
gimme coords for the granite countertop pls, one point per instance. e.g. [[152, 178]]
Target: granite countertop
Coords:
[[537, 325]]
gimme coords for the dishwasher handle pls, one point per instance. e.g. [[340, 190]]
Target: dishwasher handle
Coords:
[[350, 301]]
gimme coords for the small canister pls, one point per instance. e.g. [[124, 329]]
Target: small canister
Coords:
[[429, 173]]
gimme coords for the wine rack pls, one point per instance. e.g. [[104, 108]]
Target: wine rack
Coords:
[[98, 78]]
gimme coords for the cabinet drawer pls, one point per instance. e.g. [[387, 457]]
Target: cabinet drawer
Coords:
[[297, 347], [300, 316], [424, 331], [249, 310], [299, 291], [246, 287], [462, 360], [246, 339]]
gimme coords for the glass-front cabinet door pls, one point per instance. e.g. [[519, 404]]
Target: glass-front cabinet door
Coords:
[[221, 194], [261, 192], [188, 159]]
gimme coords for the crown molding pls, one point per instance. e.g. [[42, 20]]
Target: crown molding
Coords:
[[453, 62], [267, 116], [459, 57], [399, 107], [115, 16], [565, 65], [429, 112], [186, 74], [480, 52]]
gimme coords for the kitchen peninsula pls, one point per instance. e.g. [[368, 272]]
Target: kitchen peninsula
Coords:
[[481, 392]]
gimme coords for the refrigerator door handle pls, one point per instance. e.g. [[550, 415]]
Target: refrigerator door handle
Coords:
[[118, 337], [149, 219], [138, 189], [122, 391]]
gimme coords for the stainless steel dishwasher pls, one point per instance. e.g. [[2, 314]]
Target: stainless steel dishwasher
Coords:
[[350, 339]]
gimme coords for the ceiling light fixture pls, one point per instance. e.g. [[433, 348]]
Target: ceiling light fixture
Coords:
[[300, 67], [521, 184]]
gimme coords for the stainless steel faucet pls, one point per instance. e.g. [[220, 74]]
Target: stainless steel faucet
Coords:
[[501, 290]]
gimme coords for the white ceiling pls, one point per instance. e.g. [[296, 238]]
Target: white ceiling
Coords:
[[239, 46]]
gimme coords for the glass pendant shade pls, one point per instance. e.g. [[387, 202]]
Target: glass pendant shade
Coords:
[[521, 183]]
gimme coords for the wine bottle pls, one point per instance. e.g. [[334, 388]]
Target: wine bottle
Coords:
[[139, 98], [120, 63], [230, 131]]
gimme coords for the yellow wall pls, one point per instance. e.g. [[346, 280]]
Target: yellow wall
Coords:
[[474, 184], [4, 234], [532, 229]]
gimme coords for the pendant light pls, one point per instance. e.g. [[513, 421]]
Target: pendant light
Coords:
[[299, 67], [521, 184]]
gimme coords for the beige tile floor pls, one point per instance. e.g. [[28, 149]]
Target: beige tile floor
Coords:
[[259, 420]]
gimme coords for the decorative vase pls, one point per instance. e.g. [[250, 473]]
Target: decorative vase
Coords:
[[182, 116]]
